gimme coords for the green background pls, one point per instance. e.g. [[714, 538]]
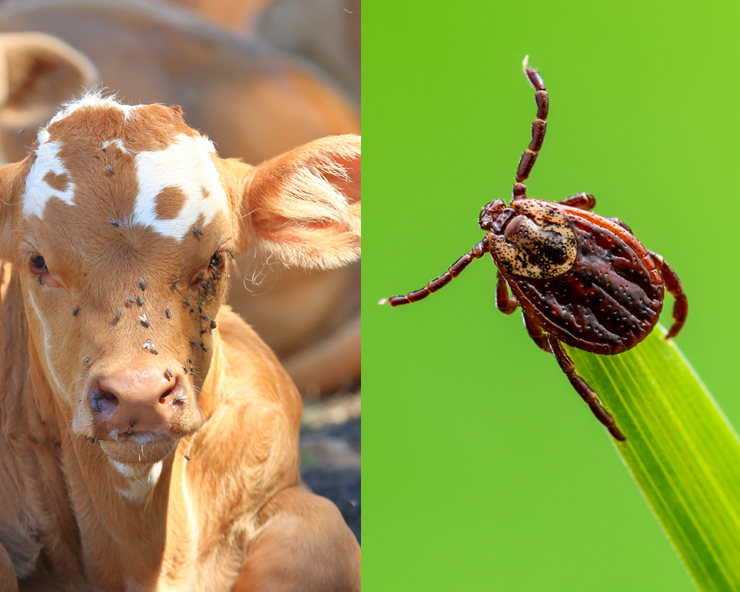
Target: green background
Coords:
[[482, 468]]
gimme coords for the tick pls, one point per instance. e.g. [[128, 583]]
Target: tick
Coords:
[[579, 278]]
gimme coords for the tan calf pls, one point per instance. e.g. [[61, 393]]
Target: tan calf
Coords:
[[254, 102], [149, 438]]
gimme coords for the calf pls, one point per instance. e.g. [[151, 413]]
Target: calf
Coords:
[[148, 437]]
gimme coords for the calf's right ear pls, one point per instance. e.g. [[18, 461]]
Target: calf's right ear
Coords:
[[302, 208], [12, 177], [37, 73]]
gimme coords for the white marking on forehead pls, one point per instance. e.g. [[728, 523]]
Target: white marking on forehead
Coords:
[[142, 479], [94, 100], [38, 191], [118, 143], [187, 165]]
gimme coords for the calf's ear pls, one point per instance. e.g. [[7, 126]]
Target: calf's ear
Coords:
[[303, 208], [12, 177], [37, 72]]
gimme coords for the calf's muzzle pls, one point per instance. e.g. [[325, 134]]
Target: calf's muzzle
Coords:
[[132, 401]]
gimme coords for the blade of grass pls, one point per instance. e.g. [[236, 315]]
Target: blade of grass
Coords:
[[682, 452]]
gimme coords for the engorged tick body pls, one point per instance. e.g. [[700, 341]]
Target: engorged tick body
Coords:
[[580, 279]]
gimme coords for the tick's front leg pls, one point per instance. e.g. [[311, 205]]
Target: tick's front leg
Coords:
[[582, 201], [455, 270], [539, 127], [582, 388]]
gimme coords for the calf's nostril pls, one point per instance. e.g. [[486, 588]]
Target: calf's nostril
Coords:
[[166, 396], [103, 401]]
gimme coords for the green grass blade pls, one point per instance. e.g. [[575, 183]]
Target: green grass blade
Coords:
[[681, 450]]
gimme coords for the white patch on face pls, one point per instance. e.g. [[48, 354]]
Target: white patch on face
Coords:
[[118, 143], [38, 191], [142, 479], [47, 345], [95, 100], [187, 165]]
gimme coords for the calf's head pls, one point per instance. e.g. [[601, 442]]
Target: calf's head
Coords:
[[122, 224]]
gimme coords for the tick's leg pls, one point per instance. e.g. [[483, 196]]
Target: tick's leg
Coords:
[[582, 201], [675, 289], [539, 126], [582, 388], [504, 302], [454, 270], [586, 201], [536, 333]]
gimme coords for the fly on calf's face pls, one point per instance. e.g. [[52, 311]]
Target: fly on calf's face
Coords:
[[560, 261]]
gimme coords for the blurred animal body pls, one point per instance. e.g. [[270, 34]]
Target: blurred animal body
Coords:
[[327, 32]]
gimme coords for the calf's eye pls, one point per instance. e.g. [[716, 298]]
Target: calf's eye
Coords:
[[38, 265], [217, 260]]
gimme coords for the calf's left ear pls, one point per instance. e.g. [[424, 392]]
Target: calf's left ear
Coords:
[[303, 207]]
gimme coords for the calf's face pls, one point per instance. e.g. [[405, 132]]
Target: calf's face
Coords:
[[122, 224]]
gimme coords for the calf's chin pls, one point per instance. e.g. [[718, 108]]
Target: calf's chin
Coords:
[[133, 450]]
